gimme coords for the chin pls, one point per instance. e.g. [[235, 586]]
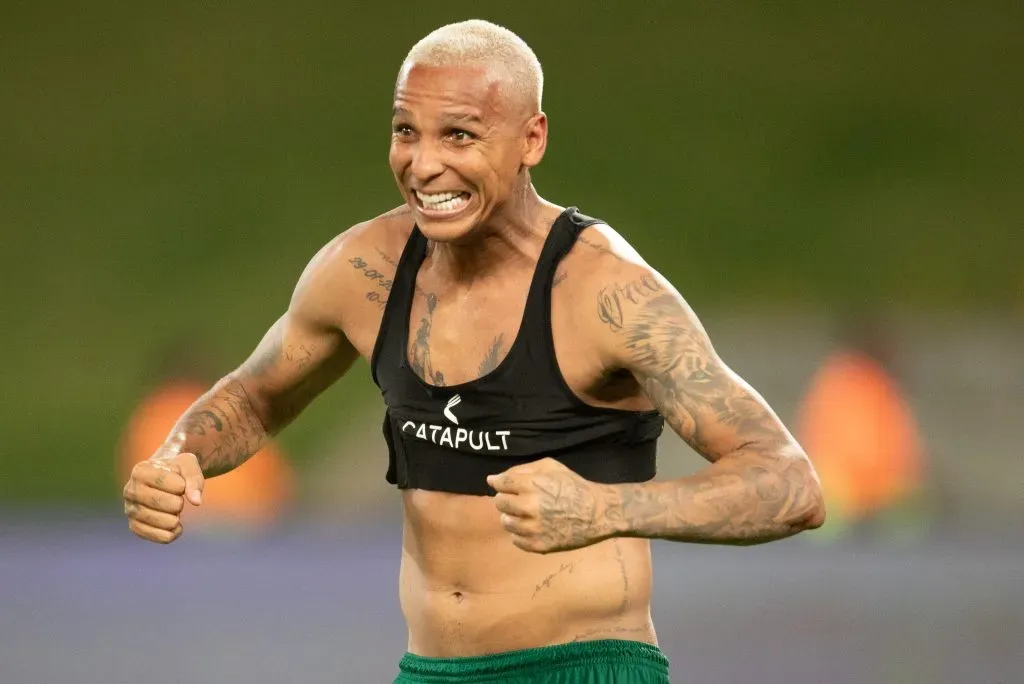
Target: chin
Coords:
[[454, 234]]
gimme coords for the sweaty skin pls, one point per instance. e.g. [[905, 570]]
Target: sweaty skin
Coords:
[[552, 558]]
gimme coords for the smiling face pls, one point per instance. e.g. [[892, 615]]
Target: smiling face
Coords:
[[460, 146]]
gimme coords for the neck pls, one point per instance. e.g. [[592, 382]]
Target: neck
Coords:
[[513, 236]]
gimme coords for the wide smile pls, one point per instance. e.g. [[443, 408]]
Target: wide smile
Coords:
[[442, 205]]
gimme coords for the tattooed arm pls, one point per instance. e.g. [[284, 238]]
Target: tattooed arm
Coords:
[[760, 485], [302, 354]]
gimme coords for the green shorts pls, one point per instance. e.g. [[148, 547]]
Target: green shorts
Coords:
[[610, 661]]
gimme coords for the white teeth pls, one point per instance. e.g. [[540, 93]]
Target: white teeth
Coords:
[[437, 198], [442, 201]]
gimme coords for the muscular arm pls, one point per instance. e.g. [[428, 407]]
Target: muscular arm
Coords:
[[302, 354], [760, 485]]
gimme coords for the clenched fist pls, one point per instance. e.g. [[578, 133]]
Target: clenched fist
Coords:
[[156, 491], [547, 507]]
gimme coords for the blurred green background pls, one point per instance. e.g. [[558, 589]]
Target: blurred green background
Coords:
[[167, 169]]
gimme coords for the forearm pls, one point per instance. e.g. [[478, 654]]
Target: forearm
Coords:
[[222, 428], [747, 498]]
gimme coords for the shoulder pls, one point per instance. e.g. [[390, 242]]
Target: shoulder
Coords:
[[615, 292], [381, 238], [604, 268], [601, 251], [353, 272]]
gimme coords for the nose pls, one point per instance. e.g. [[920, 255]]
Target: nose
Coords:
[[427, 161]]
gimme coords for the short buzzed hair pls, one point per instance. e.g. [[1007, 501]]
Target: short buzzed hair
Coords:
[[479, 42]]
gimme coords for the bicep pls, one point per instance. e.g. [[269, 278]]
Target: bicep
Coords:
[[303, 352], [292, 364], [660, 340]]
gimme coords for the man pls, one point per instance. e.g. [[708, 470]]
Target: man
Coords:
[[526, 355]]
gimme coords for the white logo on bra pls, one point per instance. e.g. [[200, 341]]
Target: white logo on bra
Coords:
[[452, 403], [476, 440]]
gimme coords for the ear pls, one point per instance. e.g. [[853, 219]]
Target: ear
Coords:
[[535, 139]]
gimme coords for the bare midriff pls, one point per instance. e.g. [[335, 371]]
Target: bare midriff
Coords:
[[466, 590]]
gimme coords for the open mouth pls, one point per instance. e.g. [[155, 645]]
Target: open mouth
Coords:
[[440, 203]]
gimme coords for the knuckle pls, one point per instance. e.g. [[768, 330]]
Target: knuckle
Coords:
[[150, 517], [172, 504], [170, 483], [166, 521], [131, 492], [140, 531]]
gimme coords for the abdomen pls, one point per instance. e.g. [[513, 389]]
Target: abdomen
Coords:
[[466, 590]]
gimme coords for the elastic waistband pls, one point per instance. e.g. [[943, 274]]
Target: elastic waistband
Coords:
[[510, 663]]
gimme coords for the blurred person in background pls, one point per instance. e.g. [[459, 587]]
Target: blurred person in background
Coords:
[[249, 498], [859, 429], [527, 356]]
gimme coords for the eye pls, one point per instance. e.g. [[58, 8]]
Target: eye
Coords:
[[461, 136], [402, 130]]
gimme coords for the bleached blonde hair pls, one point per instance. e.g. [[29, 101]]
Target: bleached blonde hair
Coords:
[[481, 43]]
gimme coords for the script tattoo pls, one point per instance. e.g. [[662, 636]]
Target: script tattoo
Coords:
[[388, 260], [612, 298], [599, 247], [373, 274], [380, 280], [546, 582], [391, 262]]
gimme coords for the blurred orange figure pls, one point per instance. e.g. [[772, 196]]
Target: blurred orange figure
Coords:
[[861, 435], [253, 495]]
